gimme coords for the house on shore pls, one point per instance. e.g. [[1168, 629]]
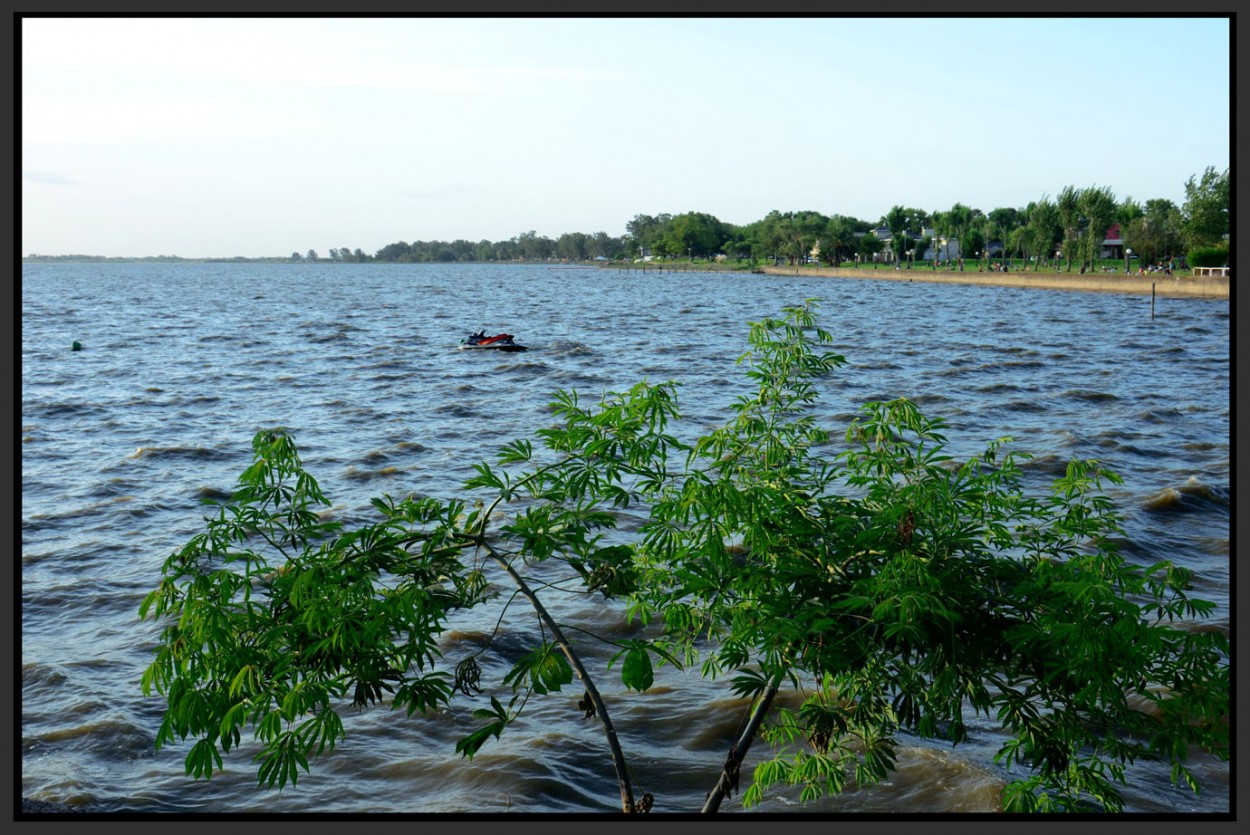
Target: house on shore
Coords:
[[1112, 243]]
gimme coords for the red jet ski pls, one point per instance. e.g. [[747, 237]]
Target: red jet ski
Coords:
[[481, 342]]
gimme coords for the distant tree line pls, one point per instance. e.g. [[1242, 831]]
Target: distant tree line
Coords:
[[1074, 223]]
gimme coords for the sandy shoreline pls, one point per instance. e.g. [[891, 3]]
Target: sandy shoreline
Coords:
[[1143, 285]]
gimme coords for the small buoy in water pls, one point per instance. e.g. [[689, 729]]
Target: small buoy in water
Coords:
[[77, 346]]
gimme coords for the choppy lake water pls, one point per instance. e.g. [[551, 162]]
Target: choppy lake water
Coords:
[[182, 363]]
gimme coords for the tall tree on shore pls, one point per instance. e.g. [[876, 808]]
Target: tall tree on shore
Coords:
[[1156, 234], [942, 229], [761, 237], [507, 250], [602, 244], [839, 239], [1042, 229], [1068, 204], [1125, 213], [1206, 208], [645, 231], [1098, 207], [1003, 222], [736, 245], [695, 233], [398, 251], [896, 221], [958, 220], [1168, 222], [1017, 242], [789, 235], [535, 247], [571, 246], [807, 227], [869, 245], [973, 238]]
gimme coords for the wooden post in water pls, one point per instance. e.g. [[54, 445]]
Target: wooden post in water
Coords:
[[1152, 300]]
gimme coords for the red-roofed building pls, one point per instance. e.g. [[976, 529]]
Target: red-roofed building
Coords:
[[1113, 243]]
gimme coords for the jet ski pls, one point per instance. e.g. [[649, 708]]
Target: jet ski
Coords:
[[481, 342]]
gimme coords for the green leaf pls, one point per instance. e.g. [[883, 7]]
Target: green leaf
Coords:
[[516, 452], [636, 672], [749, 683], [201, 759], [470, 745], [545, 668], [552, 671]]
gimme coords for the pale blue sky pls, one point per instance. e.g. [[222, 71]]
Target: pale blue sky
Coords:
[[261, 137]]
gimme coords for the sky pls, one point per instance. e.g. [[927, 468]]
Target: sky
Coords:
[[261, 137]]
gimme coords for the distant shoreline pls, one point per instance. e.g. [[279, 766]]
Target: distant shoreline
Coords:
[[1175, 286], [1157, 284]]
